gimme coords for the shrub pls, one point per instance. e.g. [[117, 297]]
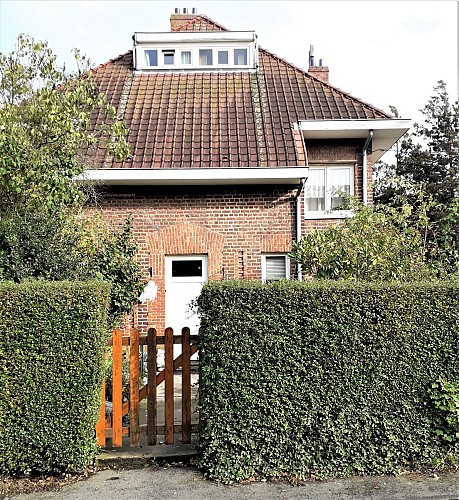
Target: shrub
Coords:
[[323, 378], [52, 336]]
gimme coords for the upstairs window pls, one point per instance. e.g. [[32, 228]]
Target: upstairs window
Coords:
[[151, 57], [185, 57], [240, 57], [326, 190], [222, 57], [205, 57], [168, 57]]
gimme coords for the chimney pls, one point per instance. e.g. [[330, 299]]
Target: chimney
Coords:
[[321, 71], [182, 17]]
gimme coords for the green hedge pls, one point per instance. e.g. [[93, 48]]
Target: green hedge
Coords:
[[52, 335], [323, 378]]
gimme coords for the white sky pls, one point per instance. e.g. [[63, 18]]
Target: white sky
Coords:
[[384, 52]]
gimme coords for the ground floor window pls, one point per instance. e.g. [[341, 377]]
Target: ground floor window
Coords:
[[275, 266]]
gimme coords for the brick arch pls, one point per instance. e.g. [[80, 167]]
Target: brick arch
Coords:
[[181, 239]]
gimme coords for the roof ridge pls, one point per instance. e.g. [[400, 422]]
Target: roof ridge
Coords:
[[204, 18], [327, 84], [114, 59]]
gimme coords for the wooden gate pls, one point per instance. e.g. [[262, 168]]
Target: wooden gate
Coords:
[[111, 425]]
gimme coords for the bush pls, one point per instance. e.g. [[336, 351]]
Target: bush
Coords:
[[378, 243], [324, 378], [52, 336], [57, 245]]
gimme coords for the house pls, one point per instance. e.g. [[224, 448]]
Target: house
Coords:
[[235, 154]]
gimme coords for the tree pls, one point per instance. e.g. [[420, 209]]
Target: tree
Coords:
[[45, 125], [427, 168], [377, 244], [428, 159], [45, 131]]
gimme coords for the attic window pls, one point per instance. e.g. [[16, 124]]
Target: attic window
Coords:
[[168, 56], [151, 57], [205, 57], [186, 57], [222, 57], [240, 57]]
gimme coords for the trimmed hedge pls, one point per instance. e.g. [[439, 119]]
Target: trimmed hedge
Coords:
[[324, 378], [52, 336]]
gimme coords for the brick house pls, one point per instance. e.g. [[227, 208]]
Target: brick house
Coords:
[[235, 154]]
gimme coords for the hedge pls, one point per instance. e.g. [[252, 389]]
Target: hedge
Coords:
[[324, 379], [52, 335]]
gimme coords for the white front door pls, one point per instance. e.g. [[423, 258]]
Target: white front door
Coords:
[[185, 276]]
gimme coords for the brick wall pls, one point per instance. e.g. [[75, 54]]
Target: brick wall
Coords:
[[232, 226]]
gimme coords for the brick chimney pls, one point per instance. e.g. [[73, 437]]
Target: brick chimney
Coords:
[[320, 72], [179, 19]]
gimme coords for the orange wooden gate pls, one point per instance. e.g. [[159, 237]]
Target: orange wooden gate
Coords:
[[111, 426]]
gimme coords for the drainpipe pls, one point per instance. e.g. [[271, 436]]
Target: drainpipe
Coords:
[[365, 167], [298, 221]]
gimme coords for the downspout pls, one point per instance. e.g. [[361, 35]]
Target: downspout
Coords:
[[298, 222], [365, 167]]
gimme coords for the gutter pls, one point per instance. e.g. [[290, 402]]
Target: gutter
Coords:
[[298, 221], [365, 167]]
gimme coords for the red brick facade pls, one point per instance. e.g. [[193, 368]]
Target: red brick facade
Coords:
[[232, 226]]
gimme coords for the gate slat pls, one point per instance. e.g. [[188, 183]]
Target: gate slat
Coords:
[[169, 386], [152, 416], [117, 389], [100, 428], [186, 387], [134, 388]]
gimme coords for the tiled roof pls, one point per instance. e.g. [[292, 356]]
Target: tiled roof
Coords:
[[233, 119]]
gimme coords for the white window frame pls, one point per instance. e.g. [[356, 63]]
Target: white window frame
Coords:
[[263, 264], [328, 213]]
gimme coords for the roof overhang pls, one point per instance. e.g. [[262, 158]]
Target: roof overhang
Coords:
[[195, 176], [386, 132]]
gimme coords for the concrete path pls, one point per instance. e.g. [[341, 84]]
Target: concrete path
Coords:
[[186, 483]]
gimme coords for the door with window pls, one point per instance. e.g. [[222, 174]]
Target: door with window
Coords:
[[185, 275]]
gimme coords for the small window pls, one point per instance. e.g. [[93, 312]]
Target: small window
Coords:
[[151, 57], [185, 268], [275, 267], [168, 57], [222, 57], [326, 189], [205, 57], [240, 57], [185, 57]]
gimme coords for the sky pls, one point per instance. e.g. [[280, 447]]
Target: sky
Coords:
[[387, 53]]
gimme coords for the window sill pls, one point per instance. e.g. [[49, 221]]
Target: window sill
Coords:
[[332, 214]]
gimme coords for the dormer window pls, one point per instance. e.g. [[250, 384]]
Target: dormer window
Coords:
[[205, 57], [185, 57], [198, 51], [168, 57], [151, 57], [240, 57]]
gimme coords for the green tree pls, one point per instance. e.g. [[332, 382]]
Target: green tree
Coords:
[[427, 168], [376, 244], [45, 135], [45, 126]]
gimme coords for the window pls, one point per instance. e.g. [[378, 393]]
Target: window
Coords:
[[185, 57], [240, 57], [168, 57], [275, 267], [151, 57], [326, 190], [186, 268], [222, 57], [205, 57]]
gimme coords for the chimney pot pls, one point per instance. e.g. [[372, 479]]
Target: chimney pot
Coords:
[[185, 11], [194, 10], [177, 10]]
